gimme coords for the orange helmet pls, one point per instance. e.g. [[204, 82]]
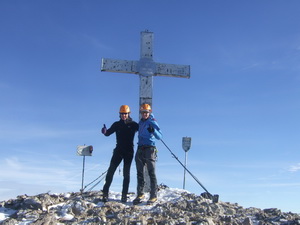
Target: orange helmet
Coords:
[[124, 109], [145, 108]]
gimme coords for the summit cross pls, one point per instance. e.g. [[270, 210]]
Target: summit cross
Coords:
[[146, 68]]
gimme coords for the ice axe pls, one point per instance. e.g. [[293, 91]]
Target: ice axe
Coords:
[[206, 194]]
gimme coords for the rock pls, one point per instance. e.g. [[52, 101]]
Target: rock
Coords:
[[86, 208], [47, 219], [247, 221]]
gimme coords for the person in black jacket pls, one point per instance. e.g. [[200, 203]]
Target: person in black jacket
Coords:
[[125, 130]]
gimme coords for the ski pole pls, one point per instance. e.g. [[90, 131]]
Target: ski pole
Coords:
[[195, 178]]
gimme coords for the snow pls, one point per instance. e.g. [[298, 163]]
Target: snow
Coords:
[[164, 195], [4, 213]]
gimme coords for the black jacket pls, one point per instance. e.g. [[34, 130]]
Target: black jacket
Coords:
[[125, 131]]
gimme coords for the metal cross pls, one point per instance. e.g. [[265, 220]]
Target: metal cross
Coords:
[[146, 68]]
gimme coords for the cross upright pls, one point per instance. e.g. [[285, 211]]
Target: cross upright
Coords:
[[146, 68]]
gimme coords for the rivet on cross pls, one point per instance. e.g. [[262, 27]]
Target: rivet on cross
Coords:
[[146, 68]]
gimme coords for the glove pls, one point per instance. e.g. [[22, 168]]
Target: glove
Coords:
[[150, 129], [103, 130]]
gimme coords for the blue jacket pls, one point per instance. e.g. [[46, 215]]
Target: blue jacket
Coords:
[[145, 137]]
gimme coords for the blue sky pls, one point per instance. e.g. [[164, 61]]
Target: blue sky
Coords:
[[240, 106]]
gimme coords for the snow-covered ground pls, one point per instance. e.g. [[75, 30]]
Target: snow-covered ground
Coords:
[[164, 195], [4, 213]]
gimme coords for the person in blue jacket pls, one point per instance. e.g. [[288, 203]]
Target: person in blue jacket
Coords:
[[146, 153]]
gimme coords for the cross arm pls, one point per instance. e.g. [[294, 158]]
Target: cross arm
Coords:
[[119, 66], [172, 70]]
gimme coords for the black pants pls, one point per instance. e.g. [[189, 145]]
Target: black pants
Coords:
[[125, 154], [146, 156]]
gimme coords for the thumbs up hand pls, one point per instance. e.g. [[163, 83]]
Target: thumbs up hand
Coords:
[[103, 130]]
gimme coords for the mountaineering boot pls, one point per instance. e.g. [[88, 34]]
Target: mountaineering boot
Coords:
[[124, 198], [104, 197], [138, 199], [151, 200]]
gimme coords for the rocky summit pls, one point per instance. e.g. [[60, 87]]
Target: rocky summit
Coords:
[[174, 206]]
